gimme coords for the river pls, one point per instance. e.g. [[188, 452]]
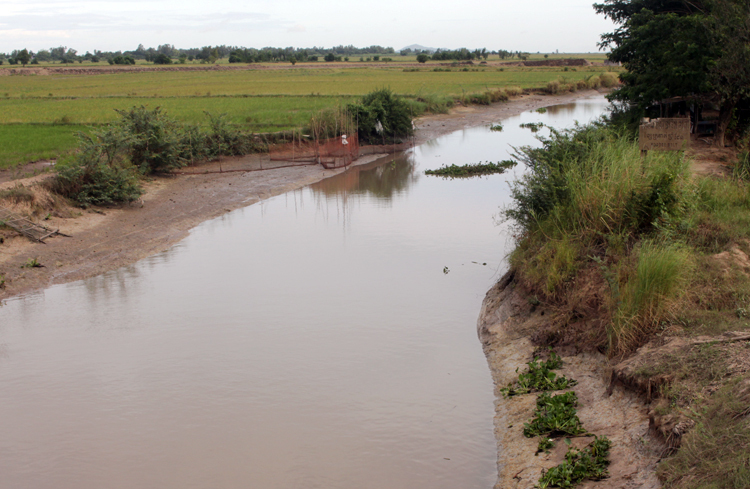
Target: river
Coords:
[[322, 338]]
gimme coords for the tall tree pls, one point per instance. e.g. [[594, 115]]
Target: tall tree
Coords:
[[687, 48]]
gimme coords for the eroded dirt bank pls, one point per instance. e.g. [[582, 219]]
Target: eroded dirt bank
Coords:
[[505, 323], [105, 239]]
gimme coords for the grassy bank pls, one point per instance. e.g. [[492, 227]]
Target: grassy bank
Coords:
[[626, 249]]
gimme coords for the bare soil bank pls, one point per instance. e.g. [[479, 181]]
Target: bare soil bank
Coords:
[[108, 238], [505, 325]]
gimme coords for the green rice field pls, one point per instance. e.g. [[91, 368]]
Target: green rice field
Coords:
[[40, 113]]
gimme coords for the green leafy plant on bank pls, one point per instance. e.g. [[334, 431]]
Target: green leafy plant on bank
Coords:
[[539, 377], [471, 170], [32, 263], [555, 416], [589, 463]]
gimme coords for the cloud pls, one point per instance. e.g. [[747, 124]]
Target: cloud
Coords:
[[297, 28]]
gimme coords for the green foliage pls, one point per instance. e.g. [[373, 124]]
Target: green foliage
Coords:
[[382, 117], [162, 59], [584, 180], [422, 58], [496, 127], [716, 452], [469, 170], [23, 57], [545, 445], [223, 139], [533, 126], [555, 416], [579, 465], [32, 263], [91, 180], [539, 377], [153, 141], [681, 49], [648, 295], [741, 169]]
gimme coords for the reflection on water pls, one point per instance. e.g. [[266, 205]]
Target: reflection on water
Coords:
[[379, 179], [312, 340]]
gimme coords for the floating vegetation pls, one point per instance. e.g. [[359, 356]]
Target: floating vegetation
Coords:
[[579, 465], [496, 127], [542, 110], [487, 168], [539, 377], [534, 126], [555, 415]]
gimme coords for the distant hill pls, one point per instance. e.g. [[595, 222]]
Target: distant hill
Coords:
[[419, 47]]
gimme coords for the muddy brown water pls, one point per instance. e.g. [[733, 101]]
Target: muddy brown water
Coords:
[[323, 338]]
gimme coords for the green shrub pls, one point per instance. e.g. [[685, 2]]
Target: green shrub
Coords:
[[608, 79], [153, 141], [223, 140], [90, 181], [382, 117]]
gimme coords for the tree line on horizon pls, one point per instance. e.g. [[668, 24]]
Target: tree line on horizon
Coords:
[[168, 53]]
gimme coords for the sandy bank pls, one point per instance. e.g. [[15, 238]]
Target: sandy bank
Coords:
[[505, 323]]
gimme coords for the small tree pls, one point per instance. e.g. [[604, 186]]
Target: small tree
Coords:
[[23, 57], [162, 59], [293, 60], [330, 57], [422, 58]]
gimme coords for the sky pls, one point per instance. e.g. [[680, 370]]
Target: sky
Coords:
[[526, 25]]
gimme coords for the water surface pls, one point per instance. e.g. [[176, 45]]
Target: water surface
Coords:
[[323, 338]]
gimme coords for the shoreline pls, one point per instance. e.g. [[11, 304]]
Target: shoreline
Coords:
[[104, 239], [506, 322]]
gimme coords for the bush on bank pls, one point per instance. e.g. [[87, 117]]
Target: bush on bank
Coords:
[[109, 162], [382, 117], [590, 212]]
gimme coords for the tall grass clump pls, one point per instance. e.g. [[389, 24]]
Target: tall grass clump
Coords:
[[650, 292], [716, 452], [586, 201], [436, 104]]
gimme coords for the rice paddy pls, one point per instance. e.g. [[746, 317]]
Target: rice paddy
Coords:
[[261, 98]]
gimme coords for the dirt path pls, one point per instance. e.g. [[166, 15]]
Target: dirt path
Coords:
[[105, 239]]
